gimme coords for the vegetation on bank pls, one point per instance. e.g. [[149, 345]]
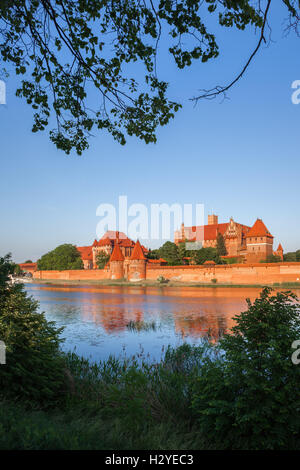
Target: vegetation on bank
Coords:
[[176, 255], [101, 259], [241, 393], [292, 256], [62, 257]]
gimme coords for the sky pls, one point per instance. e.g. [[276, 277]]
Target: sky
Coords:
[[239, 157]]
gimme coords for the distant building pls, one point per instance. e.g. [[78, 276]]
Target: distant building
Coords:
[[249, 244], [106, 244], [28, 267]]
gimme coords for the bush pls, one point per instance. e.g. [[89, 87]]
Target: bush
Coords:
[[206, 254], [162, 280], [248, 399], [271, 259], [62, 257], [102, 259], [232, 260], [34, 369]]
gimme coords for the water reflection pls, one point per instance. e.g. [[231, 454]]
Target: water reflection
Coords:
[[95, 317]]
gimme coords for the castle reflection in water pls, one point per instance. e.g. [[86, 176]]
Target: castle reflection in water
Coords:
[[96, 317]]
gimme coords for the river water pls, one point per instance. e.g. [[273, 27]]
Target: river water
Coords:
[[96, 317]]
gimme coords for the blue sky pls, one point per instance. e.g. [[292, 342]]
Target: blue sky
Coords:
[[239, 157]]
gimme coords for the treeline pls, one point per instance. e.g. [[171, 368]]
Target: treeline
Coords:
[[292, 256], [63, 257], [179, 254]]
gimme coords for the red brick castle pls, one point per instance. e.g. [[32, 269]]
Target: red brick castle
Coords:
[[248, 244], [106, 244]]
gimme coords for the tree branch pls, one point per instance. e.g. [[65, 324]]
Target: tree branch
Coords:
[[218, 90]]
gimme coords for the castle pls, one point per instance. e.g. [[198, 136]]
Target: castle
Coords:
[[247, 244], [106, 245], [244, 243], [128, 259]]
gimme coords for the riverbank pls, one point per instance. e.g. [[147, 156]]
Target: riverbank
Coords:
[[152, 283]]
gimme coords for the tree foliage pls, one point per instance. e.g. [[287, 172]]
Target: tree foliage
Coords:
[[248, 399], [63, 257], [292, 256], [34, 366], [101, 259], [272, 259], [206, 254], [93, 64], [152, 254], [221, 247], [169, 252]]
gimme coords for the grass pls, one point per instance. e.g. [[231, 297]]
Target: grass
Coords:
[[114, 404], [22, 429], [142, 326]]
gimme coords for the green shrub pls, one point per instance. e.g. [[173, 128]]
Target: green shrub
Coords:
[[232, 260], [34, 369], [63, 257], [249, 399], [102, 259], [162, 280]]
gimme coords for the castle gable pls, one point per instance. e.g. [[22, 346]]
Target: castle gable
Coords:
[[259, 230], [137, 253]]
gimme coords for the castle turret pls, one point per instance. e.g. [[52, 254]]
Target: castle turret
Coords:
[[137, 264], [212, 219], [116, 263], [279, 251], [259, 243]]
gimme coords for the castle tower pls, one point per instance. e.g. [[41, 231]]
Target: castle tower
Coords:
[[137, 264], [116, 263], [259, 243], [279, 251], [212, 219], [95, 252]]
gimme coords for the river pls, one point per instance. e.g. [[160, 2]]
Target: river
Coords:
[[95, 318]]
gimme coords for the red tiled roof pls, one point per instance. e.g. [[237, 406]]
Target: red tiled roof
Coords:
[[95, 243], [114, 235], [126, 243], [86, 252], [210, 232], [259, 230], [116, 254], [137, 252], [28, 265], [104, 242], [279, 247], [157, 261]]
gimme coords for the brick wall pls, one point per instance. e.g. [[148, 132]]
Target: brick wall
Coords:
[[75, 275], [259, 273]]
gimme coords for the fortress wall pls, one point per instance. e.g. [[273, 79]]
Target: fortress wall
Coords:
[[73, 274], [267, 273]]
